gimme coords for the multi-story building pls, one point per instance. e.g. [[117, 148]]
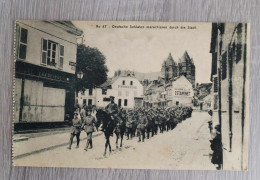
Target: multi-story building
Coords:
[[45, 53], [230, 91], [126, 89], [179, 91]]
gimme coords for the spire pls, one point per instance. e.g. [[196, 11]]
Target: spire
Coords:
[[170, 60], [185, 57]]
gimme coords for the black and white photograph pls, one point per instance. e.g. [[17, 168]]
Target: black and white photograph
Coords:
[[131, 95]]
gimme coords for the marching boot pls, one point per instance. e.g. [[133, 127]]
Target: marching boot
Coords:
[[86, 148], [90, 142], [69, 147]]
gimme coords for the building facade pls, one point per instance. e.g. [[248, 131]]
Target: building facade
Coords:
[[45, 53], [126, 89], [179, 92], [230, 91]]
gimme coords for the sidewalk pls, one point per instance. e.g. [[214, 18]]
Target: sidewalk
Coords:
[[28, 144]]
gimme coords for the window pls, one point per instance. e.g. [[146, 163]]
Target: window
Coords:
[[22, 43], [123, 82], [89, 102], [119, 102], [104, 91], [84, 101], [125, 102], [90, 92], [82, 92], [131, 83], [49, 53]]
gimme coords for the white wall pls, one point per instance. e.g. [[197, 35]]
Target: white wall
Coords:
[[40, 29]]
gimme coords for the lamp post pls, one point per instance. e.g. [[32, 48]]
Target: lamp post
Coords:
[[79, 75]]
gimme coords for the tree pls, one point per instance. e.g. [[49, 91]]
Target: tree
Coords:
[[92, 63]]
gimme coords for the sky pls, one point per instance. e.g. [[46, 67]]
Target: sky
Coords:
[[145, 49]]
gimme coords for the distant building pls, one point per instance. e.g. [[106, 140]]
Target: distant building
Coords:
[[126, 89], [44, 71], [169, 69], [185, 67], [179, 92]]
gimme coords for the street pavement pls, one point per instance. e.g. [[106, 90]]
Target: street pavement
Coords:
[[185, 147]]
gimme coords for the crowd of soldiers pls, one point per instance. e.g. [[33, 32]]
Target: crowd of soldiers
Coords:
[[146, 123], [138, 122]]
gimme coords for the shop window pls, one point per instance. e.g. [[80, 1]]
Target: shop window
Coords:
[[125, 102], [119, 102], [22, 43], [90, 92], [123, 82]]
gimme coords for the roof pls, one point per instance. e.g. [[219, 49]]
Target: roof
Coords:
[[169, 61], [205, 85], [67, 26], [185, 57], [108, 83]]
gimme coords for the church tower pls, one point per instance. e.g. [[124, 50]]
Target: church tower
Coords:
[[169, 68], [187, 68]]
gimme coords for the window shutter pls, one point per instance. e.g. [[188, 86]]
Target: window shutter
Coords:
[[44, 51], [61, 61], [224, 65], [17, 35], [215, 84], [22, 43]]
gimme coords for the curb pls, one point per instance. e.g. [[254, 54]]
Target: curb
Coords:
[[48, 148]]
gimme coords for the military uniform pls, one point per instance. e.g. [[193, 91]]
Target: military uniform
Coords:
[[88, 125], [129, 125], [142, 123], [75, 131]]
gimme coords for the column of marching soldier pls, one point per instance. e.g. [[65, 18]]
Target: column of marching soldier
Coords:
[[141, 122]]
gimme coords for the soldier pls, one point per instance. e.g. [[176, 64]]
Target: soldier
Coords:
[[88, 124], [129, 124], [142, 123], [156, 121], [75, 129], [149, 124]]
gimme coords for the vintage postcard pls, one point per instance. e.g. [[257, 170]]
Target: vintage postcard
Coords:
[[131, 95]]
